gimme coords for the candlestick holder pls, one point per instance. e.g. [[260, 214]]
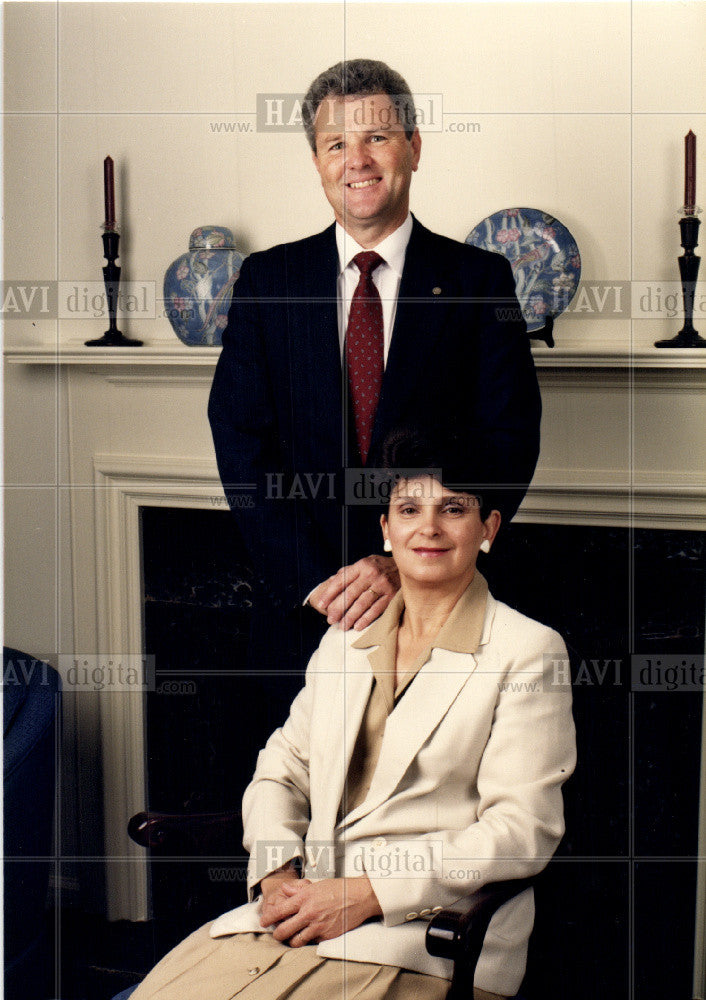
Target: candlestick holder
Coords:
[[688, 269], [111, 275]]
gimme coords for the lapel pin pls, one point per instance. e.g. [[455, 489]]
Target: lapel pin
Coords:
[[436, 290]]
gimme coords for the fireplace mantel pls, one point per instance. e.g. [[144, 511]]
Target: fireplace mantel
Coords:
[[599, 355]]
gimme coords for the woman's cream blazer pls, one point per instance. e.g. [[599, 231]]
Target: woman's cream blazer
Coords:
[[467, 790]]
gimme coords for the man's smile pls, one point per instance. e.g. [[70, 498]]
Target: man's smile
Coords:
[[363, 184]]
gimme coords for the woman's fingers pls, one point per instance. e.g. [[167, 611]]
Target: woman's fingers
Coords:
[[294, 930], [279, 907]]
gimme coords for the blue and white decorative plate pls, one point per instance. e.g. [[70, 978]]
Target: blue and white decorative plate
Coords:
[[544, 256]]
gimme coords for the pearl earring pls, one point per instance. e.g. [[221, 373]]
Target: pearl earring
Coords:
[[485, 545], [387, 545]]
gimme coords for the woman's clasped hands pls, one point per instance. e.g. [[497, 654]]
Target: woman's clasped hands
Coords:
[[307, 912]]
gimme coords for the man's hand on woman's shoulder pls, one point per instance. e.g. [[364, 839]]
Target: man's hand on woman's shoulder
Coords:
[[357, 594]]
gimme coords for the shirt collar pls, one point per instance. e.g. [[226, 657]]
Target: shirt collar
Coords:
[[392, 249], [461, 632]]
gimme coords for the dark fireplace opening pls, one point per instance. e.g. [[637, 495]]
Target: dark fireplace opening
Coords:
[[615, 910]]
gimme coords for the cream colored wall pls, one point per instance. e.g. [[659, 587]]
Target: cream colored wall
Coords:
[[564, 125], [582, 109]]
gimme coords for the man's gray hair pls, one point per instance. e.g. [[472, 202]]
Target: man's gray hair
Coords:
[[359, 78]]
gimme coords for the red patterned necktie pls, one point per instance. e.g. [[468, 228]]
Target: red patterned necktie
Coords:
[[364, 349]]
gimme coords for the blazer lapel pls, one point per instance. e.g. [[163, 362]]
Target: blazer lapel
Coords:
[[350, 700], [420, 709]]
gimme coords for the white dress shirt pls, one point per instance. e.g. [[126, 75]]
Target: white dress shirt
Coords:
[[386, 276]]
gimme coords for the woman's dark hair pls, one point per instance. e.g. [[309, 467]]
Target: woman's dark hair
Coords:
[[411, 451]]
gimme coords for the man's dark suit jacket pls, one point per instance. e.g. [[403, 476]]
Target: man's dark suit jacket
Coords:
[[459, 358]]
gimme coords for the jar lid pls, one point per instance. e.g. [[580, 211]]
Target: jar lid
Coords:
[[212, 238]]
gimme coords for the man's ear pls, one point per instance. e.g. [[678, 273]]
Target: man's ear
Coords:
[[416, 143], [315, 161]]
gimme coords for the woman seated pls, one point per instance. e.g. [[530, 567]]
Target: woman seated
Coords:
[[423, 759]]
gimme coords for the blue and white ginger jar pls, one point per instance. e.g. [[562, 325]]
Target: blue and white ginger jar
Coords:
[[198, 286]]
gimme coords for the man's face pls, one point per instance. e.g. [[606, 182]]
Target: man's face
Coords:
[[365, 162]]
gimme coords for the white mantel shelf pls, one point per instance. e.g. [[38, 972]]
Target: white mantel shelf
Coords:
[[74, 352], [166, 354], [608, 356]]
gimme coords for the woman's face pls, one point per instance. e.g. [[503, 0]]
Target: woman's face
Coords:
[[435, 533]]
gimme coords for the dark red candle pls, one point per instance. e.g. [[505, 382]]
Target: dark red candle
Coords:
[[689, 172], [109, 189]]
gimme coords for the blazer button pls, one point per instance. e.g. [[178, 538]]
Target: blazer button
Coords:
[[254, 971], [425, 913], [412, 916]]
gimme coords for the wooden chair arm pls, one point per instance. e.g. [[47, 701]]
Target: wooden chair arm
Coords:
[[459, 934], [192, 833]]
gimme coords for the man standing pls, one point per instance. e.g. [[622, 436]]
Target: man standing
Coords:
[[334, 340]]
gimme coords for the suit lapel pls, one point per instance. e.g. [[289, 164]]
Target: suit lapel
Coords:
[[419, 322], [311, 312], [423, 705]]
